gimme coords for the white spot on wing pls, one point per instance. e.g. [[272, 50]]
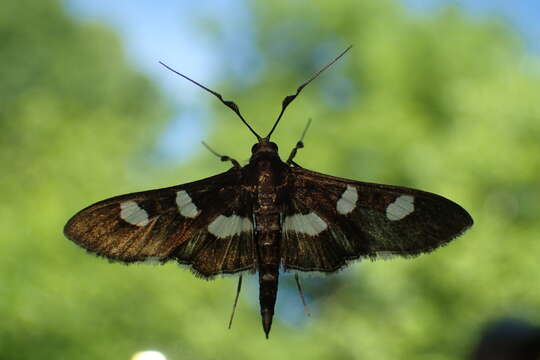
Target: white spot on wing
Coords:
[[347, 201], [310, 224], [133, 213], [186, 207], [226, 226], [401, 207]]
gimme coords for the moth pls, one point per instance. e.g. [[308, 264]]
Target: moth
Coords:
[[267, 216]]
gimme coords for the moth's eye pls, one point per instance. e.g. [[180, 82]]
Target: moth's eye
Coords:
[[254, 148], [274, 146]]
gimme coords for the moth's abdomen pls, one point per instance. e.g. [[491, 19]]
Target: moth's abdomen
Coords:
[[268, 240], [268, 276], [268, 236]]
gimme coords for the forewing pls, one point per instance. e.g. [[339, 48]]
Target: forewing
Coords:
[[329, 221], [173, 223]]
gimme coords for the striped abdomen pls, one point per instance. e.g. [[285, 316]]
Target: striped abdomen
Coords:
[[268, 236]]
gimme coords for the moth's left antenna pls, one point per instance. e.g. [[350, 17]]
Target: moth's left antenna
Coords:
[[230, 104]]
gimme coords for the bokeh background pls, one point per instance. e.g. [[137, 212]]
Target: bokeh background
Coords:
[[438, 95]]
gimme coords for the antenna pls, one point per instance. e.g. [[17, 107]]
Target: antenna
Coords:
[[229, 104], [289, 99]]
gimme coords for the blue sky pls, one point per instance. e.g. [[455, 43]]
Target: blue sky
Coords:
[[167, 31]]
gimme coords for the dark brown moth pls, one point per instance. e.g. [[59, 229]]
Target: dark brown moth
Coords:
[[267, 216]]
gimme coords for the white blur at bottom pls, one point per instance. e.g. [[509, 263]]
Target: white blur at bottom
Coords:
[[148, 355]]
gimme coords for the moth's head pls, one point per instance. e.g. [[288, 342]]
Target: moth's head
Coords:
[[264, 147]]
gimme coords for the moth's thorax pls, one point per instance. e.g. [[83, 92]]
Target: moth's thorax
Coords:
[[269, 172]]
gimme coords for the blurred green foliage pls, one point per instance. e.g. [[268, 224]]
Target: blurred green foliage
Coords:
[[443, 103]]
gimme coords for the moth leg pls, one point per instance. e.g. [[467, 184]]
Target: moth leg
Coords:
[[222, 157], [235, 300], [299, 145], [306, 309]]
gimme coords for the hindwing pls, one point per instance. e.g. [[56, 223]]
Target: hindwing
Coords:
[[329, 221]]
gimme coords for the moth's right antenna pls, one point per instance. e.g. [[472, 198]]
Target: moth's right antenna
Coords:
[[290, 98], [229, 104]]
